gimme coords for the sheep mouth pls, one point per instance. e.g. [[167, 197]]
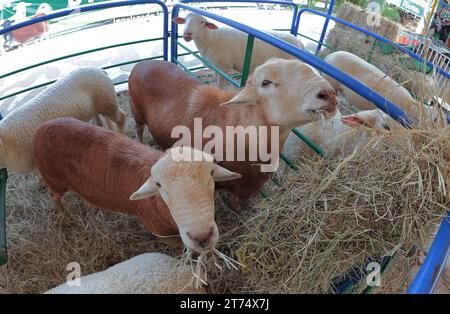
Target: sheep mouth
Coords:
[[326, 111], [188, 39]]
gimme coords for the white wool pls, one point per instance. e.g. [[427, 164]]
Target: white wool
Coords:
[[334, 136], [225, 47], [82, 94], [146, 273], [377, 80]]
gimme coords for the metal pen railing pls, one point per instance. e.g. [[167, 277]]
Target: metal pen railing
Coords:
[[83, 9], [55, 15]]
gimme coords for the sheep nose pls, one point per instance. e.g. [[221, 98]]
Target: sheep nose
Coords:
[[188, 34], [201, 238], [326, 94]]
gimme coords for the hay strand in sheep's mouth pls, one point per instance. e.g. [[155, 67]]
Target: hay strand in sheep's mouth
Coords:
[[199, 264]]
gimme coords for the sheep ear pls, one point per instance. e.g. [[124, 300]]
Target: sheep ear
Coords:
[[241, 99], [149, 188], [354, 121], [179, 20], [222, 174], [211, 25]]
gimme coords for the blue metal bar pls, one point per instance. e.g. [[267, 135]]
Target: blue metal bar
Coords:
[[99, 6], [381, 102], [325, 26], [428, 275], [380, 38], [295, 5]]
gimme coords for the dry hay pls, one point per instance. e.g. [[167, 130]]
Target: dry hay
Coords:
[[357, 16], [329, 216], [333, 215]]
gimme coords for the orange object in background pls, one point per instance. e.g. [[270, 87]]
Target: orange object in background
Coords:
[[405, 41], [24, 34]]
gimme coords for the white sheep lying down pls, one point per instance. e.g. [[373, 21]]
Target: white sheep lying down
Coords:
[[225, 47], [380, 82], [338, 135], [82, 94], [146, 273]]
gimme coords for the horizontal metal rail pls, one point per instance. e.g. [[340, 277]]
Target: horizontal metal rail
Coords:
[[53, 81], [286, 3], [77, 54], [99, 6]]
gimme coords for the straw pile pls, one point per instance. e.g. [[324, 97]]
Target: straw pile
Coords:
[[335, 215], [356, 15], [330, 216]]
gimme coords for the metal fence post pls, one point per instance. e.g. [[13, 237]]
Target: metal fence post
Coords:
[[247, 59], [3, 250]]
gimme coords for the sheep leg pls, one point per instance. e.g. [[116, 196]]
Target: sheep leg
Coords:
[[98, 120], [235, 203], [108, 123], [57, 203], [232, 201], [140, 132], [119, 119], [41, 182]]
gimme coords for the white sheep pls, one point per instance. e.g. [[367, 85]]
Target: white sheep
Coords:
[[146, 273], [83, 94], [377, 80], [338, 135], [225, 47]]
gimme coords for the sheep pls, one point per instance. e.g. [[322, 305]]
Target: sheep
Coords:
[[83, 94], [225, 47], [338, 135], [26, 33], [375, 79], [282, 94], [145, 273], [111, 171]]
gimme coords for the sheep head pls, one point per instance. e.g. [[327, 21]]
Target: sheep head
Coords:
[[195, 26], [184, 178], [291, 93], [375, 119]]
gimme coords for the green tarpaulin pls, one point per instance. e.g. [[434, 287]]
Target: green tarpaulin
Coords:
[[30, 7]]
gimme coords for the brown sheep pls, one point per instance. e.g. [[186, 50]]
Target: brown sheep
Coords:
[[281, 93], [111, 171]]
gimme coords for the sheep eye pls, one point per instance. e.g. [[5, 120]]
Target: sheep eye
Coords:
[[266, 83], [158, 185]]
